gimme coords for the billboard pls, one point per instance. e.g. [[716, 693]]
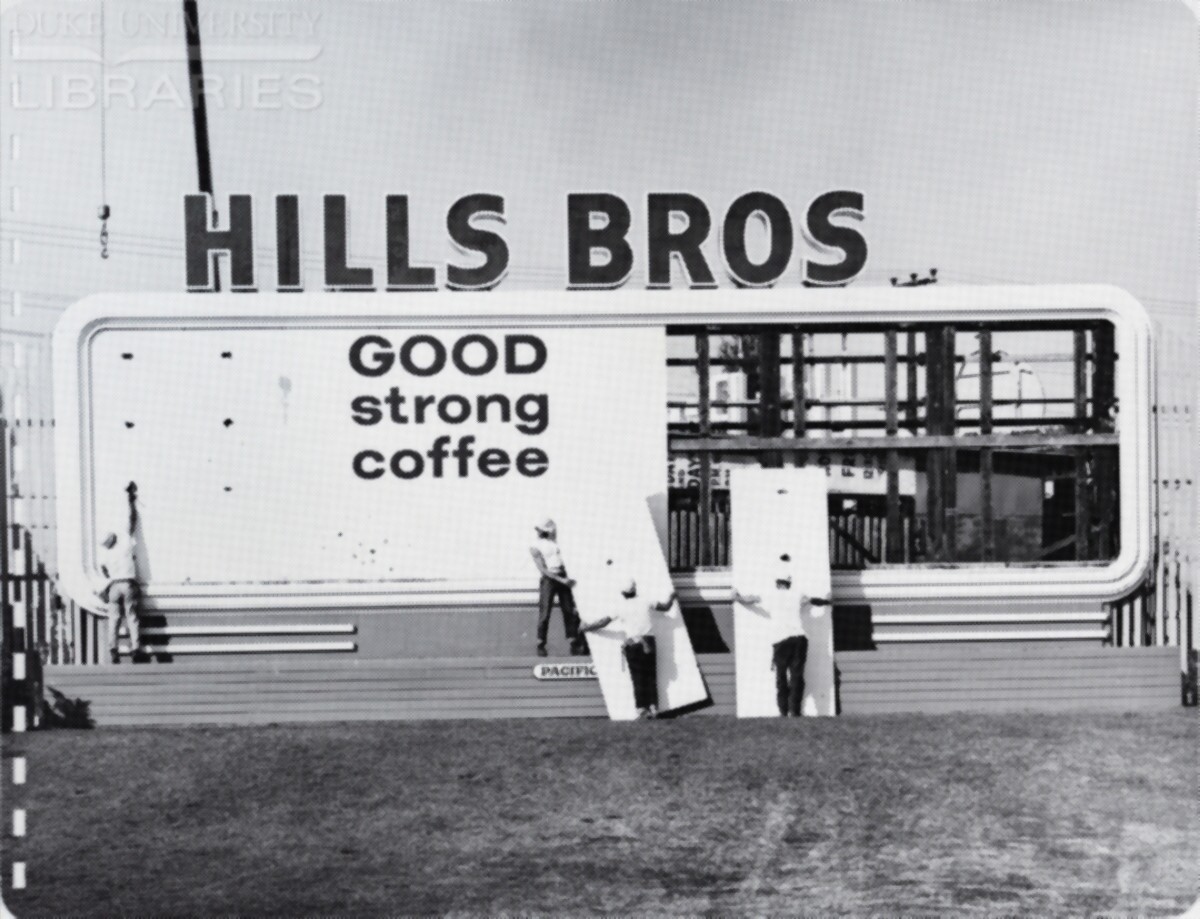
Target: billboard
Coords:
[[425, 437]]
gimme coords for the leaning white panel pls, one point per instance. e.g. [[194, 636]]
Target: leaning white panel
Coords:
[[603, 552]]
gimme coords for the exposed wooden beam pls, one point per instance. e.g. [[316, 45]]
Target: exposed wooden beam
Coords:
[[1083, 522], [1104, 419], [950, 463], [911, 361], [893, 546], [683, 442], [988, 522], [705, 408], [770, 409], [799, 403], [935, 463]]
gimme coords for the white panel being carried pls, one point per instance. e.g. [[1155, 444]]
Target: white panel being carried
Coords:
[[776, 513], [603, 552]]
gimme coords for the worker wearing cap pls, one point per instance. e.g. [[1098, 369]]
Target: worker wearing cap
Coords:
[[120, 588], [555, 583], [121, 592], [788, 637], [633, 619]]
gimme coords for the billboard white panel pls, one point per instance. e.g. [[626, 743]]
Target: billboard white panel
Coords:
[[355, 453]]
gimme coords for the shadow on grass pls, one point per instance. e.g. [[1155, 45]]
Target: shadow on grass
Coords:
[[689, 709], [63, 712]]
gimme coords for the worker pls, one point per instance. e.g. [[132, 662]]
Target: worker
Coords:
[[121, 589], [789, 640], [555, 582], [632, 617]]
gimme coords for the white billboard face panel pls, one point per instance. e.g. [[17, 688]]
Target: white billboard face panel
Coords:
[[356, 454], [776, 513], [604, 551]]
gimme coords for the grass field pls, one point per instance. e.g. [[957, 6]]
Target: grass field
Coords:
[[984, 815]]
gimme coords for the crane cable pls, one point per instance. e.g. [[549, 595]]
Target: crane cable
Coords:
[[104, 211]]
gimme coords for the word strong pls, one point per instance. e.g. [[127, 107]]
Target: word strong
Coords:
[[426, 356]]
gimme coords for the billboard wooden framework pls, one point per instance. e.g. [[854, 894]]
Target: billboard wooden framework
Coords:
[[929, 426]]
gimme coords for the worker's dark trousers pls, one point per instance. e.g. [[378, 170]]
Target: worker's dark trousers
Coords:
[[125, 598], [548, 590], [789, 657], [642, 658]]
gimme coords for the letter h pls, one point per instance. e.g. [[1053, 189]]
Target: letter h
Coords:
[[201, 242]]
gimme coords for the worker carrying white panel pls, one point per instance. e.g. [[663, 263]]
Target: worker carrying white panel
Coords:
[[630, 616], [782, 617]]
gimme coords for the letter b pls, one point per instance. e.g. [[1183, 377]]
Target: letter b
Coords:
[[582, 238]]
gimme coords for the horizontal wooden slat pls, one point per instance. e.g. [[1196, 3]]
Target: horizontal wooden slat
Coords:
[[165, 674], [963, 616], [259, 629], [1018, 699], [885, 635], [935, 706], [1013, 650], [1015, 673], [481, 678], [397, 708], [750, 444], [1015, 690], [1048, 662], [253, 718], [264, 647], [282, 692]]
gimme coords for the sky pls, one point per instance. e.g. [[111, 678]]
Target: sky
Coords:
[[1019, 142]]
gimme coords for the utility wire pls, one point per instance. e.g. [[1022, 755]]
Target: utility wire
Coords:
[[104, 210]]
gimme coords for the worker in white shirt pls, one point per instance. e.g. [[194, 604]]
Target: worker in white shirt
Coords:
[[121, 590], [633, 620], [555, 583], [789, 641]]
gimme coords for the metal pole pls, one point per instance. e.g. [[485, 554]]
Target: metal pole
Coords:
[[191, 18]]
